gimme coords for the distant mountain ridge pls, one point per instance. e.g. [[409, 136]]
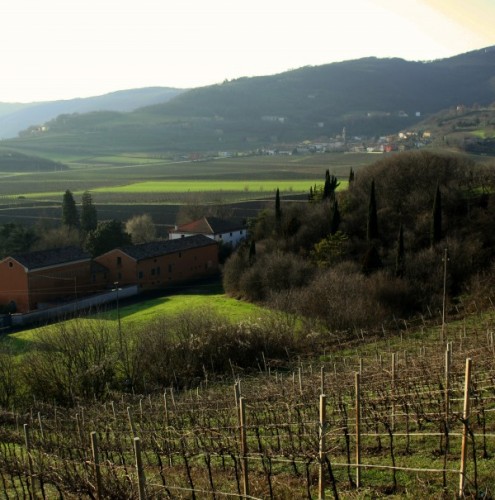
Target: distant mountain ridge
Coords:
[[15, 117], [368, 96]]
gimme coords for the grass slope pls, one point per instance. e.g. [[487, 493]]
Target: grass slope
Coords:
[[198, 298]]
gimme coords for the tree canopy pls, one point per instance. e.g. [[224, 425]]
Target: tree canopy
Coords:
[[107, 236], [70, 216]]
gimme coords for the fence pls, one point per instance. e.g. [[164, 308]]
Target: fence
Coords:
[[81, 304]]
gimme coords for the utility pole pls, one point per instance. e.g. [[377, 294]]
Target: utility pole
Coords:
[[445, 259], [116, 284]]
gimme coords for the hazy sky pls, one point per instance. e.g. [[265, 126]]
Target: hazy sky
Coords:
[[60, 49]]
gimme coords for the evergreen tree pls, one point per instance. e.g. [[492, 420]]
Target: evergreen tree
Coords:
[[372, 226], [436, 222], [400, 259], [89, 218], [351, 176], [278, 210], [70, 217], [331, 184], [335, 223], [326, 186], [372, 261], [252, 252]]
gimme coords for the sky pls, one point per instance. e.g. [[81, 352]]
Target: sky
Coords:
[[62, 49]]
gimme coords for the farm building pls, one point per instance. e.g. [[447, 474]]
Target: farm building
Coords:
[[41, 279], [161, 263], [221, 230]]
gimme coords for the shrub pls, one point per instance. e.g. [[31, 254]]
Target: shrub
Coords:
[[76, 360], [344, 299], [189, 346]]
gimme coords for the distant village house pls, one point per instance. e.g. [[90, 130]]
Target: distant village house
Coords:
[[221, 230]]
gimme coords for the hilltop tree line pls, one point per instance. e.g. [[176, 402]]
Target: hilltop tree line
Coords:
[[79, 226], [356, 258]]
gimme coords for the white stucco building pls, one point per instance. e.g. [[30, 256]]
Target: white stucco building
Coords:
[[221, 230]]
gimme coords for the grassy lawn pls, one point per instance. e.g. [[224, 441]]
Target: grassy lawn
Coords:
[[200, 298]]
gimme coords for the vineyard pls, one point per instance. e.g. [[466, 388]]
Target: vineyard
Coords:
[[412, 418]]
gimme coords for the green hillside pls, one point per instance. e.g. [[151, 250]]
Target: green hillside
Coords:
[[367, 96], [471, 129]]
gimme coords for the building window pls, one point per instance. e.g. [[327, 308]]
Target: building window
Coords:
[[180, 255], [119, 261], [11, 264], [119, 276], [153, 271], [170, 268], [158, 270], [140, 275]]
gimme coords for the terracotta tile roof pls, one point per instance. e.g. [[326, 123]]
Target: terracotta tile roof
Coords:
[[53, 257], [210, 225], [158, 248]]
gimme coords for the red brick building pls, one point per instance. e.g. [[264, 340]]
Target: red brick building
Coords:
[[45, 278], [161, 263]]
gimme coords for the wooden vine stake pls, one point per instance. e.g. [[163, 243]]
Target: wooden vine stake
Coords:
[[131, 422], [448, 363], [358, 429], [393, 392], [30, 460], [321, 453], [96, 461], [465, 418], [244, 449], [140, 469]]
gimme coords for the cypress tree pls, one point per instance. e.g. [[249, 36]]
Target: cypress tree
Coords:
[[278, 211], [331, 184], [335, 223], [326, 186], [436, 221], [400, 259], [372, 226], [89, 217], [70, 217], [252, 251], [351, 176], [371, 261]]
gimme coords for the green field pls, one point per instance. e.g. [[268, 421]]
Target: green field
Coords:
[[135, 175], [262, 186]]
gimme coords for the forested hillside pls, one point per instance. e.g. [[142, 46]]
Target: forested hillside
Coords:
[[368, 97], [361, 257]]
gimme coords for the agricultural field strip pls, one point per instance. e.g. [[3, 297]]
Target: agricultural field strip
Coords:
[[304, 173], [204, 185]]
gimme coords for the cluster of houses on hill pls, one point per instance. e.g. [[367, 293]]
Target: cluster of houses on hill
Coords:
[[46, 279]]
